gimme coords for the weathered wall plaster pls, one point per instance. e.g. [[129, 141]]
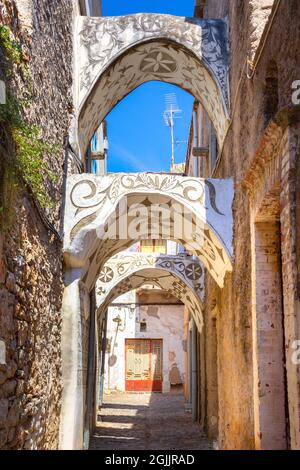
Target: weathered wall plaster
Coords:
[[163, 322]]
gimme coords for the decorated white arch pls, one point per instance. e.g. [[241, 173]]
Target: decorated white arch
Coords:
[[181, 276], [115, 55], [112, 57], [97, 205]]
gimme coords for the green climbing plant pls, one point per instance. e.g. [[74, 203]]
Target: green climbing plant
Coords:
[[13, 50], [28, 163]]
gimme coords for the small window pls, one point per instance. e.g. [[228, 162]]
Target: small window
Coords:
[[143, 326], [154, 246]]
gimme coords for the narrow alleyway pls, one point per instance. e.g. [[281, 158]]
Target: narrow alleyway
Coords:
[[144, 421]]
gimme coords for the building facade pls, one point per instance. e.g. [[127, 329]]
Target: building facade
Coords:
[[134, 330], [254, 334]]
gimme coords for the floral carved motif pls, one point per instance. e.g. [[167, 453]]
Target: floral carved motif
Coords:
[[124, 264], [169, 273], [116, 55], [105, 38]]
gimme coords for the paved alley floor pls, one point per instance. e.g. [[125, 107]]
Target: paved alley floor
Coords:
[[140, 421]]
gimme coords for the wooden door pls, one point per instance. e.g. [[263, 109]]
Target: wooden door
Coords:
[[143, 371]]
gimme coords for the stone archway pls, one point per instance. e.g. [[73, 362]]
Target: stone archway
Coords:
[[113, 56], [116, 55], [93, 207], [182, 277]]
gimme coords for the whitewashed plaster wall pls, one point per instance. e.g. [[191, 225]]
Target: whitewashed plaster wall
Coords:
[[163, 322]]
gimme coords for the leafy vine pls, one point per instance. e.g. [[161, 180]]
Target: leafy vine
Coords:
[[22, 148]]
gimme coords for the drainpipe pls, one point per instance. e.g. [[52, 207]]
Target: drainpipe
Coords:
[[196, 141], [91, 372], [102, 370], [88, 165], [194, 372]]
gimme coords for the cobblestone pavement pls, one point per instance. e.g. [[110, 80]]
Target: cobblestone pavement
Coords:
[[147, 421]]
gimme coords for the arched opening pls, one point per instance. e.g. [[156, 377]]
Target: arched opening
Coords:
[[269, 352], [190, 53], [108, 215], [151, 61], [146, 348], [139, 122], [80, 366], [164, 279]]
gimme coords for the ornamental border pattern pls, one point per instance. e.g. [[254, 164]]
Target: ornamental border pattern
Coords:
[[125, 264], [103, 39]]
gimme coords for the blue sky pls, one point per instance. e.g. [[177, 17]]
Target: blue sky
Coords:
[[126, 7], [138, 137]]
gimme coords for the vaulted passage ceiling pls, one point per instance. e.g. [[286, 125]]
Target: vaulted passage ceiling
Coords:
[[105, 215], [181, 277]]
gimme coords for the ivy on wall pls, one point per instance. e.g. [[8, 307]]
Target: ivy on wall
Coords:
[[25, 149], [13, 50]]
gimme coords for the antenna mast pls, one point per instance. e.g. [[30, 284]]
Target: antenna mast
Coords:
[[171, 112]]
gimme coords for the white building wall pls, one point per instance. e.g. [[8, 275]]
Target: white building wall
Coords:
[[163, 322]]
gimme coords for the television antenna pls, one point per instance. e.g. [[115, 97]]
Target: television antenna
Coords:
[[172, 112]]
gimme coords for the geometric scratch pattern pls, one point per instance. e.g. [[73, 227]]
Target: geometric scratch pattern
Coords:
[[94, 204], [178, 275], [115, 55]]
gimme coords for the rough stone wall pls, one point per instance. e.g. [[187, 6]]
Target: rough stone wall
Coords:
[[245, 138], [268, 357], [216, 8], [30, 255], [297, 216]]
